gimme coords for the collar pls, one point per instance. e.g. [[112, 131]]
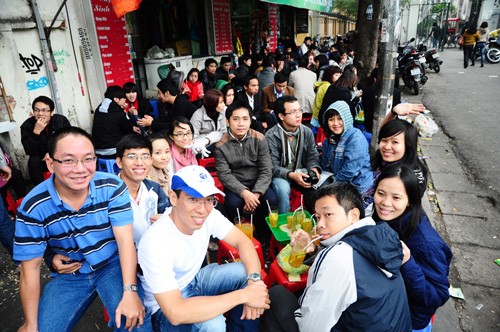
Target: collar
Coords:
[[278, 95], [239, 140], [55, 195]]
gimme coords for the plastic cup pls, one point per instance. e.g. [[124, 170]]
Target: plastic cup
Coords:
[[307, 224], [298, 252], [273, 217], [290, 222], [300, 215], [245, 226]]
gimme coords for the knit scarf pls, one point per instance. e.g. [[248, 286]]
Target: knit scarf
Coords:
[[180, 160], [287, 148]]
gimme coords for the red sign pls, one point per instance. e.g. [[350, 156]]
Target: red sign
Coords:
[[222, 27], [272, 12], [113, 44]]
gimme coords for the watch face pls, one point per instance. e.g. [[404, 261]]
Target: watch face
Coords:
[[255, 277]]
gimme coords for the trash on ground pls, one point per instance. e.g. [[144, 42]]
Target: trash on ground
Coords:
[[479, 306], [456, 293]]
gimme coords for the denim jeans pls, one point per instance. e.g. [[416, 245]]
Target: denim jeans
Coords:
[[282, 189], [480, 46], [213, 280], [66, 298], [7, 228]]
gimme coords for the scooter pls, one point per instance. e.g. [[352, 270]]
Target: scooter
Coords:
[[493, 52], [432, 59], [410, 68]]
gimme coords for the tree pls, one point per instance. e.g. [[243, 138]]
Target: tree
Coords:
[[347, 7], [367, 37]]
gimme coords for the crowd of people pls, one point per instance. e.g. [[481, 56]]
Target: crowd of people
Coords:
[[137, 235]]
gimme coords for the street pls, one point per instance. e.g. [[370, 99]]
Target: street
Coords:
[[465, 193]]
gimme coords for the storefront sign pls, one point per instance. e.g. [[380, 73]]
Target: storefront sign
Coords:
[[273, 26], [113, 44], [222, 27], [317, 5]]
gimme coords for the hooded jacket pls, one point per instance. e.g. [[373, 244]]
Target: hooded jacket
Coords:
[[355, 283], [349, 158]]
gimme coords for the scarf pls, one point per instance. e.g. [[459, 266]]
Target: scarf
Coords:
[[162, 177], [180, 160], [287, 148]]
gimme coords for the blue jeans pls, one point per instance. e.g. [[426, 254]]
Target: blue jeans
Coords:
[[480, 46], [282, 189], [66, 298], [213, 280], [7, 228]]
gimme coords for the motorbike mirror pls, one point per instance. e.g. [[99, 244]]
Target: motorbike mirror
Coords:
[[412, 40]]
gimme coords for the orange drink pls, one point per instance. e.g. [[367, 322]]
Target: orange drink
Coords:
[[245, 226], [273, 217], [298, 252], [300, 217], [290, 221], [307, 224]]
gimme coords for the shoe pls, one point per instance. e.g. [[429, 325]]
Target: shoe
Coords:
[[472, 64], [482, 65], [465, 66]]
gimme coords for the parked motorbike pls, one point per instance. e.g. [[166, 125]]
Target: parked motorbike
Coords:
[[432, 59], [410, 68], [493, 52]]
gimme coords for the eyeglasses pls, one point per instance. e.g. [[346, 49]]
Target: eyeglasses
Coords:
[[210, 201], [41, 110], [296, 112], [73, 162], [183, 135], [134, 157]]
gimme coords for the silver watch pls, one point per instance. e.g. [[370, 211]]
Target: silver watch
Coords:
[[254, 276], [130, 288]]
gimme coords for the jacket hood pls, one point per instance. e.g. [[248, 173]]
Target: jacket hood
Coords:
[[320, 83], [380, 245], [345, 114]]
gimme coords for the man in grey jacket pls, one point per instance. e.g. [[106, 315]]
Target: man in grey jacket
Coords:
[[293, 153], [244, 167]]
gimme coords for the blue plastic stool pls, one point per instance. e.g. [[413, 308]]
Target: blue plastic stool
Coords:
[[154, 104], [107, 165], [368, 137]]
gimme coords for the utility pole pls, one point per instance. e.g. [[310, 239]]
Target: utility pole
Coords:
[[47, 58], [474, 12], [388, 44]]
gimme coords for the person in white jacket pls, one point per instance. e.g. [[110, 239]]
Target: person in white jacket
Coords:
[[303, 80]]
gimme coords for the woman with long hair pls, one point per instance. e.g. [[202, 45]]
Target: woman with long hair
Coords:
[[162, 169], [471, 36], [426, 257], [180, 134]]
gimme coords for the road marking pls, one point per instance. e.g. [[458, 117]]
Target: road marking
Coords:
[[493, 76]]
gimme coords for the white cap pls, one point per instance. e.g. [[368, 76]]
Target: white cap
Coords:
[[195, 181]]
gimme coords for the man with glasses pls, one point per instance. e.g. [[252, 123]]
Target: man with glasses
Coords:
[[293, 153], [183, 295], [36, 132], [147, 199], [84, 216]]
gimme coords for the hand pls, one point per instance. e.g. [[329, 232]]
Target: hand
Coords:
[[199, 146], [251, 200], [231, 76], [60, 267], [359, 93], [301, 234], [257, 296], [7, 173], [406, 252], [146, 121], [132, 110], [132, 308], [298, 177], [26, 328], [40, 125], [407, 108], [251, 313], [137, 129], [315, 170], [214, 136]]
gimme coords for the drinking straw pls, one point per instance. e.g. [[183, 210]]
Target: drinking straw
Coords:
[[316, 238], [239, 217], [297, 209], [302, 201], [268, 206], [251, 220], [230, 253]]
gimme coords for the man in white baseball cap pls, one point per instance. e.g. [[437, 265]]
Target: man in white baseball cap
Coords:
[[181, 294]]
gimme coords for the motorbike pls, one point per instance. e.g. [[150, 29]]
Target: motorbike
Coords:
[[493, 52], [432, 58], [410, 67]]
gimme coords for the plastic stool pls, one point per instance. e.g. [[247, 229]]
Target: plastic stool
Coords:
[[274, 245], [294, 199], [107, 165], [225, 251], [278, 276], [12, 204]]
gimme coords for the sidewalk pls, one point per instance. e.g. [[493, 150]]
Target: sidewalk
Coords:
[[469, 223]]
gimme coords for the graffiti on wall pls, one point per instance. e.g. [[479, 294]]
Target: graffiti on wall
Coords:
[[37, 84], [61, 56], [84, 40], [32, 65]]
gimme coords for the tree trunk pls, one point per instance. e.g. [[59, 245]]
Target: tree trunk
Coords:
[[367, 38]]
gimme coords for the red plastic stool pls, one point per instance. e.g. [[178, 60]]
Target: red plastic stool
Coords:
[[225, 251], [12, 204], [294, 199], [274, 246], [106, 316], [278, 276]]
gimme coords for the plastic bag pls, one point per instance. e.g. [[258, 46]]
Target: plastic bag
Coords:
[[283, 257], [156, 52], [426, 126]]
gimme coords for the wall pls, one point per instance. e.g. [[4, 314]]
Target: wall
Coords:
[[24, 71]]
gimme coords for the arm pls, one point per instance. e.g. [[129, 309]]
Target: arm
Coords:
[[265, 168], [131, 305], [402, 109], [275, 153], [31, 141], [29, 289], [226, 177], [266, 105], [355, 154]]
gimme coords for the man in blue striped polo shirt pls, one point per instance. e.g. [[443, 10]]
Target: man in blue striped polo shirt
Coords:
[[84, 215]]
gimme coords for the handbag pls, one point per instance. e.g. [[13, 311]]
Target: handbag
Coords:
[[461, 39]]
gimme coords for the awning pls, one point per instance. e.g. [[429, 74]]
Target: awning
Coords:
[[317, 5]]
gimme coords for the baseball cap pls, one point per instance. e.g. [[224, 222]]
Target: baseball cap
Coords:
[[195, 181]]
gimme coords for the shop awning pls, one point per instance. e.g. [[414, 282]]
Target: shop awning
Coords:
[[317, 5]]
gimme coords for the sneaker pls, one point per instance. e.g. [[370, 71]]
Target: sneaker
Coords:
[[482, 65], [472, 64]]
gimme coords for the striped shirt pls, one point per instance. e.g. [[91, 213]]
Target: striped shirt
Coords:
[[86, 235]]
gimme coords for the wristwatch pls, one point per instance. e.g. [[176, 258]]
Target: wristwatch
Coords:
[[254, 277], [130, 288]]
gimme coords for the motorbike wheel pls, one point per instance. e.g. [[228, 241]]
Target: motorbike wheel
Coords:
[[493, 55], [416, 88], [437, 67]]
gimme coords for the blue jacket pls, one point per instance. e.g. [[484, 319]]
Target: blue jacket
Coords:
[[355, 283], [426, 272], [348, 158]]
